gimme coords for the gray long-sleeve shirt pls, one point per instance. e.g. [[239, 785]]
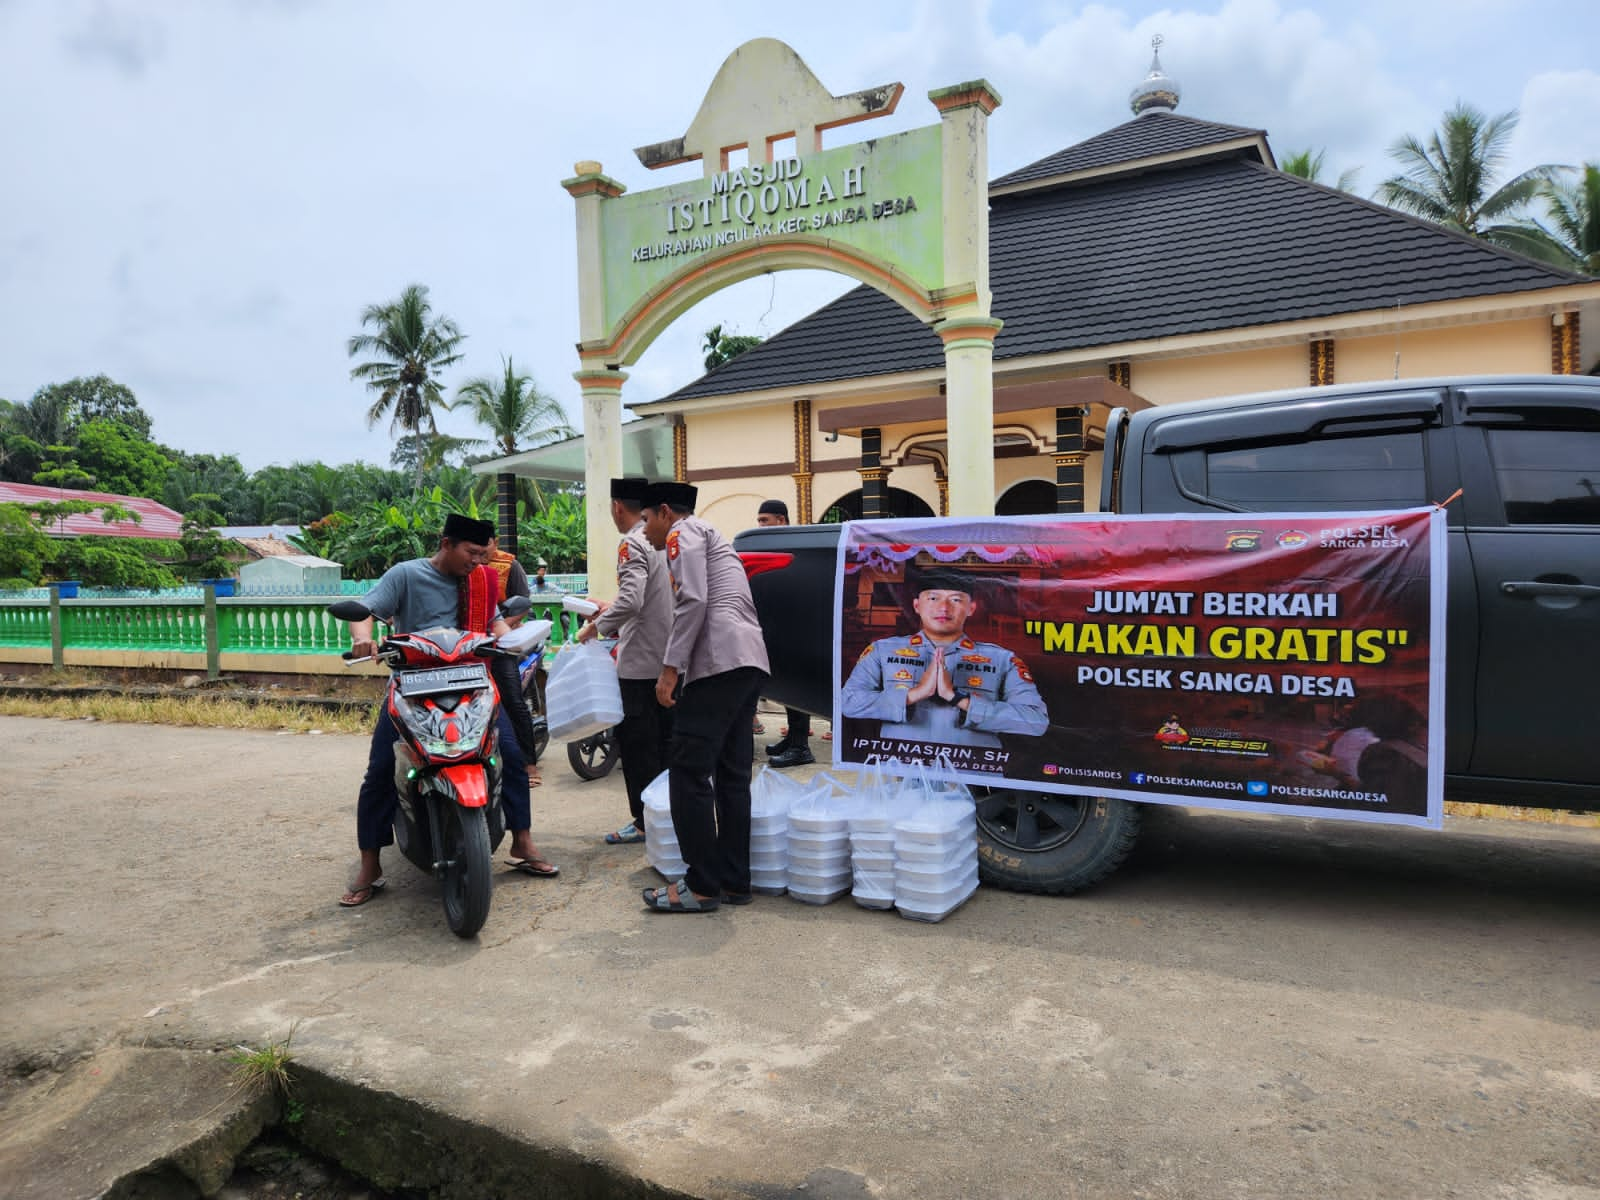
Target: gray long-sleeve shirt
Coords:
[[642, 612]]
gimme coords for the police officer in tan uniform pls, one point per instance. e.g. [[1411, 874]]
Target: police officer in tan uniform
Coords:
[[715, 652], [938, 685], [640, 615]]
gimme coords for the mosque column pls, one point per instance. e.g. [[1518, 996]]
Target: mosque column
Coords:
[[874, 475], [969, 412], [1565, 342], [1069, 458], [1321, 362], [602, 462], [802, 462]]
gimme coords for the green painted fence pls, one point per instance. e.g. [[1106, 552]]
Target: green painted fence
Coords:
[[220, 626]]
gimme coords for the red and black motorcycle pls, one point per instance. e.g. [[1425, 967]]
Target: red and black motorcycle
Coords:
[[447, 763]]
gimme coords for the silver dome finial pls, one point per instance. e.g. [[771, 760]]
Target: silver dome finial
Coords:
[[1158, 92]]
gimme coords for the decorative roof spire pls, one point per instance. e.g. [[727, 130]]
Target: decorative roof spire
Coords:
[[1158, 92]]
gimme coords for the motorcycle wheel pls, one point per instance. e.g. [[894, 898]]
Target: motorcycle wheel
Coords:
[[593, 757], [466, 870]]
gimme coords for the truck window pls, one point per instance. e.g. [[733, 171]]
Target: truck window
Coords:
[[1547, 476], [1376, 470]]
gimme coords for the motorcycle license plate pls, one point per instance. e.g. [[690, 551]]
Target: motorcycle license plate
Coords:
[[443, 679]]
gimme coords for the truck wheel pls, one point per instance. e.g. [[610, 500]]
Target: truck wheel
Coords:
[[1038, 842]]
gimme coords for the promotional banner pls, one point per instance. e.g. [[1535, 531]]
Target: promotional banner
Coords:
[[1272, 663]]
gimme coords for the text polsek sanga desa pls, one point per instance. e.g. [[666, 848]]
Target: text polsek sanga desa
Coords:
[[1288, 663]]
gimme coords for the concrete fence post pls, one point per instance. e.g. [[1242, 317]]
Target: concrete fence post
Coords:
[[58, 656], [213, 643]]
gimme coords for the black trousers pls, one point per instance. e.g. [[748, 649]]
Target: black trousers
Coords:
[[713, 748], [644, 738], [799, 734]]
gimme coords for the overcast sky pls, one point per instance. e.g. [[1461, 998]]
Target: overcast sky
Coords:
[[200, 196]]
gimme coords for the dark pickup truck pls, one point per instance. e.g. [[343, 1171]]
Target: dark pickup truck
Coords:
[[1522, 674]]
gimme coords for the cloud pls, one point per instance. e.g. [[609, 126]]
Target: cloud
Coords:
[[1560, 120], [128, 39]]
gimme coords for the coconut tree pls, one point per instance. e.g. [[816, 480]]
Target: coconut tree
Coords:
[[1451, 179], [410, 348], [1308, 164], [1573, 207], [519, 415]]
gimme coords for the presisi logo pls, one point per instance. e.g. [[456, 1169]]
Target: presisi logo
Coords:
[[1243, 541], [1256, 787], [1292, 539]]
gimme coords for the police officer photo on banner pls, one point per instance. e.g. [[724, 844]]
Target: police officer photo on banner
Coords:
[[934, 691]]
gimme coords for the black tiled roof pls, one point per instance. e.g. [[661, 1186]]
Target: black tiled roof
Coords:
[[1154, 134], [1200, 247]]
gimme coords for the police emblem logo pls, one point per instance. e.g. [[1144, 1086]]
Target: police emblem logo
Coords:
[[672, 545], [974, 681], [902, 674], [1022, 670], [622, 553], [974, 658]]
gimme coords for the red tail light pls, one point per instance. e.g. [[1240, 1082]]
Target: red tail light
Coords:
[[757, 562]]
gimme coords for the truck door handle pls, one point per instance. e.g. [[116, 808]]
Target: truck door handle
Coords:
[[1524, 587]]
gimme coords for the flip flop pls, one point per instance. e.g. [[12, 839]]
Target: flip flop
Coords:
[[356, 897], [534, 866], [628, 835], [660, 900]]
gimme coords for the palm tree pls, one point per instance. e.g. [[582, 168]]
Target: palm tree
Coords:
[[1574, 210], [514, 410], [1451, 180], [1307, 164], [410, 348]]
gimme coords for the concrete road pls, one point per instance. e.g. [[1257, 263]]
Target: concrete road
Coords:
[[1250, 1008]]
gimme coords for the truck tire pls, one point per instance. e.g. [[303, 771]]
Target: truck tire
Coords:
[[1041, 842]]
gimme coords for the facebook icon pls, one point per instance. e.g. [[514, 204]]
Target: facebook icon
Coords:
[[1138, 777]]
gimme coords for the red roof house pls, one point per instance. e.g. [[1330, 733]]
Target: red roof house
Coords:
[[155, 520]]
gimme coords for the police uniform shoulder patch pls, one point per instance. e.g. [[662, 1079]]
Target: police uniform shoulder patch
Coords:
[[622, 553], [867, 652], [1022, 670], [916, 640], [968, 644], [672, 544]]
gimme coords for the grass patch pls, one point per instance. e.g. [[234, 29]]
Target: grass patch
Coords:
[[1540, 816], [265, 1069], [198, 711]]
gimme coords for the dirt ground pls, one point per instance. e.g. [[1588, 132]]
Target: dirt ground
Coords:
[[1251, 1007]]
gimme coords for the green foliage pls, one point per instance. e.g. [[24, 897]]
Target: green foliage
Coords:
[[113, 562], [120, 461], [514, 410], [220, 475], [1573, 207], [97, 398], [1308, 164], [372, 539], [720, 347], [1451, 179], [558, 534], [409, 349], [205, 552], [24, 549], [265, 1069]]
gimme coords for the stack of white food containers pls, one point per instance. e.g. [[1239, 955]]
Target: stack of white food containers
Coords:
[[582, 696], [819, 846], [660, 838], [769, 833], [872, 852], [935, 859]]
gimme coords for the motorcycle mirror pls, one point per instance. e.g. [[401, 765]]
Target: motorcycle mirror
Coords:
[[513, 607], [349, 610]]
